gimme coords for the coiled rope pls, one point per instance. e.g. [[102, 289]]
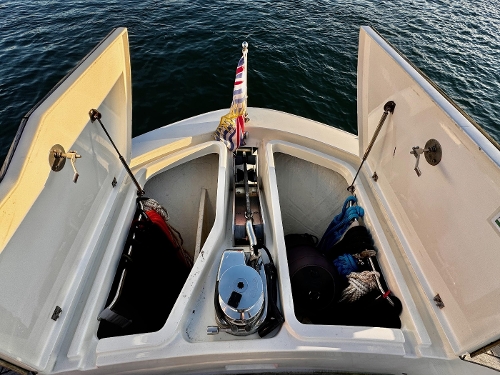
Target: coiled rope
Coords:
[[348, 263], [364, 282], [359, 284], [340, 223]]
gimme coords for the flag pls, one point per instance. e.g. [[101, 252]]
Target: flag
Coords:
[[231, 129], [239, 104]]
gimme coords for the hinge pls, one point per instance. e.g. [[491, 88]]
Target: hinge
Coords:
[[56, 313], [18, 370], [484, 349], [439, 301]]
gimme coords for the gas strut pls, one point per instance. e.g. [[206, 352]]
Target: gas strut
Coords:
[[96, 115], [388, 107]]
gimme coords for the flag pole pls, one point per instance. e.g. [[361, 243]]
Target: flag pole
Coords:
[[244, 51]]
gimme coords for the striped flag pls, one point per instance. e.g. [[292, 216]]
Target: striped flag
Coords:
[[231, 129], [239, 104]]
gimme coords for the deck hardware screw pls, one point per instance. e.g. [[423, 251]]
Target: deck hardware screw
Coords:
[[439, 302], [56, 313]]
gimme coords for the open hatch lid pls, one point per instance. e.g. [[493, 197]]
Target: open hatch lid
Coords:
[[52, 229], [447, 219]]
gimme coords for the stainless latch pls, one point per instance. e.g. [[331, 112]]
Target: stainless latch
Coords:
[[432, 152], [417, 151], [57, 159]]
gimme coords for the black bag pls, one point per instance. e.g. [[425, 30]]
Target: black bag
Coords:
[[148, 280], [355, 240]]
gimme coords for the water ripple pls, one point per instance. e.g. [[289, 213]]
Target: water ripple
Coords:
[[303, 53]]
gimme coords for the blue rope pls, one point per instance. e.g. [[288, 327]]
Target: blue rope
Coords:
[[340, 223], [346, 264]]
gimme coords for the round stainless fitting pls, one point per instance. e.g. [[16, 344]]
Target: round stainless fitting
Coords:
[[241, 294]]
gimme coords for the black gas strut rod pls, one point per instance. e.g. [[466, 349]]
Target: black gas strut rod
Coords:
[[388, 107], [96, 115]]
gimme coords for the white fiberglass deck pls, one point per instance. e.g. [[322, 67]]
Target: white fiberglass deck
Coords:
[[194, 311]]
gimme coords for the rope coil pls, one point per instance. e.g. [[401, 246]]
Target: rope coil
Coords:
[[340, 223], [359, 284], [348, 263], [151, 204]]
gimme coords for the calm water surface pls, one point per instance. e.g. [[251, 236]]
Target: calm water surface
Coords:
[[302, 59]]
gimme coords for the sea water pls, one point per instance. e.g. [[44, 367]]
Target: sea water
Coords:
[[302, 54]]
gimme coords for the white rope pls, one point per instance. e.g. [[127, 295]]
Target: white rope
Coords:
[[359, 285], [151, 204], [379, 284]]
